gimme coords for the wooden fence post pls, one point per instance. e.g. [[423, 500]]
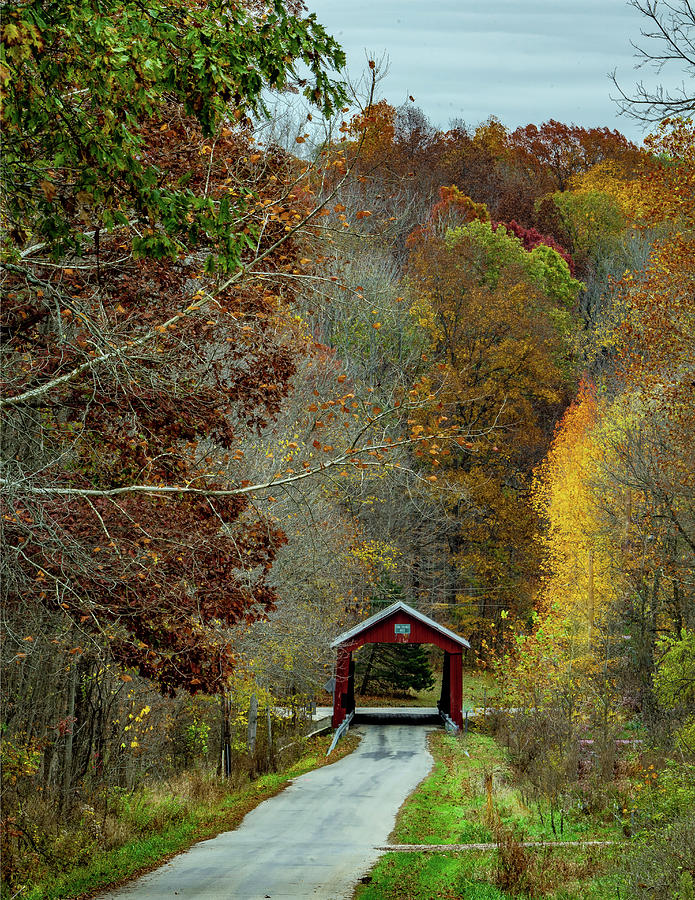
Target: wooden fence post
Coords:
[[269, 722]]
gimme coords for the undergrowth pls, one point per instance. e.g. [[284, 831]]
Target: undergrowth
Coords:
[[472, 796], [129, 833]]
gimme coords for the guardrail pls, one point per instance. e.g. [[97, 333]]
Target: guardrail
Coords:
[[340, 731], [449, 723], [322, 729]]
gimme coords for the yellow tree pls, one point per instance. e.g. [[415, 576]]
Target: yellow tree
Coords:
[[578, 578]]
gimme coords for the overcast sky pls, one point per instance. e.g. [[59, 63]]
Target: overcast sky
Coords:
[[521, 61]]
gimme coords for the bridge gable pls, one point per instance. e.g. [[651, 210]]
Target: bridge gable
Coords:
[[400, 624]]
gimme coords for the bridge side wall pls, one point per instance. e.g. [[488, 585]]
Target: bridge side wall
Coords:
[[456, 688], [342, 684]]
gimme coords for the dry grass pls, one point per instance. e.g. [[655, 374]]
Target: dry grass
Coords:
[[127, 833], [537, 872]]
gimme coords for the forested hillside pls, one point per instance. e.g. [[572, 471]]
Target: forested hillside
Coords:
[[261, 377]]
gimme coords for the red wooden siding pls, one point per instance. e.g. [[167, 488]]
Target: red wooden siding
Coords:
[[420, 633]]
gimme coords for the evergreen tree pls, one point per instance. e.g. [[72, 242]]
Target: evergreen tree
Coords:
[[392, 667]]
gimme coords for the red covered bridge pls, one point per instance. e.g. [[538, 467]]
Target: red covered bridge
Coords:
[[399, 624]]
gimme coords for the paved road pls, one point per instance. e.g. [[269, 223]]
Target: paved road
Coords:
[[315, 839]]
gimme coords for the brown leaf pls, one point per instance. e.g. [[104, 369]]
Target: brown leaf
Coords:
[[49, 190]]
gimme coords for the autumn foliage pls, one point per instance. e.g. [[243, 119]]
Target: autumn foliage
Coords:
[[251, 379]]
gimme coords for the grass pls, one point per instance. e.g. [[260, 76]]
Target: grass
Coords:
[[166, 825], [447, 807], [478, 688], [408, 876], [451, 807]]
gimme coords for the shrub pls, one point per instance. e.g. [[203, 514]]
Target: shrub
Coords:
[[513, 869], [661, 865]]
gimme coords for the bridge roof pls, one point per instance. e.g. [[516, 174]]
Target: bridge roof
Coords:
[[398, 607]]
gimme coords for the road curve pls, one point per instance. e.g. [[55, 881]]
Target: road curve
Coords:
[[315, 839]]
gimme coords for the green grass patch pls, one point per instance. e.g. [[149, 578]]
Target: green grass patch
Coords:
[[447, 808], [451, 807], [479, 689], [471, 876], [167, 825], [421, 876]]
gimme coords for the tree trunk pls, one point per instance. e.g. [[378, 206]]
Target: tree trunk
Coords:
[[69, 725], [591, 595], [269, 722], [368, 669], [253, 724], [224, 765]]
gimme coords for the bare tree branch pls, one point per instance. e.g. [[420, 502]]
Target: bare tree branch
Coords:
[[672, 40]]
